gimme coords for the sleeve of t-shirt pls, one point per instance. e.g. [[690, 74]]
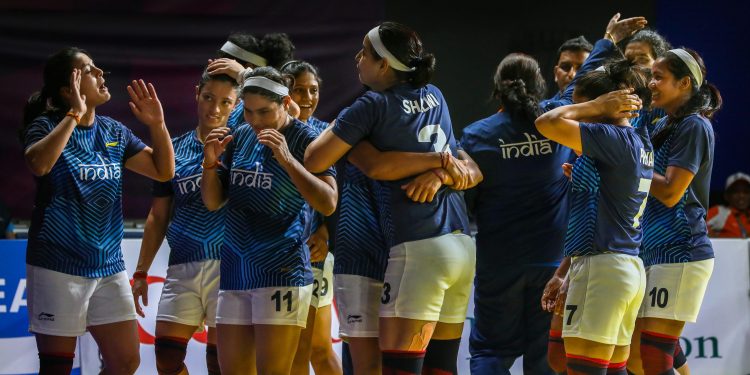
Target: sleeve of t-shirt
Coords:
[[690, 145], [356, 122], [38, 129], [133, 144], [161, 189], [604, 143]]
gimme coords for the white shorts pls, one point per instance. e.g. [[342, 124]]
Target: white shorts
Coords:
[[429, 279], [64, 305], [282, 305], [604, 294], [190, 293], [322, 292], [675, 291], [358, 302]]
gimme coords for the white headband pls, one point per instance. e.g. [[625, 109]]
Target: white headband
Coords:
[[243, 54], [267, 84], [379, 47], [692, 65]]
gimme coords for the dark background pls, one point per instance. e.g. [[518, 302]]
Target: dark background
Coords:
[[168, 43]]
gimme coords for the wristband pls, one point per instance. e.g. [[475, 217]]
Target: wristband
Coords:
[[140, 275], [74, 116]]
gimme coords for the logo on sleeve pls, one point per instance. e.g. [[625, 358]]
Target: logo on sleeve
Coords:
[[46, 316]]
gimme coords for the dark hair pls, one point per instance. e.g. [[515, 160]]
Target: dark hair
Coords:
[[577, 44], [519, 85], [659, 45], [205, 77], [293, 68], [270, 73], [404, 44], [705, 99], [245, 41], [57, 72], [277, 48], [618, 74]]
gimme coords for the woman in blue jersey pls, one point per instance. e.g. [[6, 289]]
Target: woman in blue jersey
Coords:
[[76, 274], [266, 280], [676, 250], [609, 187], [431, 261], [315, 346], [189, 294], [521, 209], [243, 52]]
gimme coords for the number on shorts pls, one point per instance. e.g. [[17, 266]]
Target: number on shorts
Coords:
[[324, 288], [386, 293], [572, 309], [278, 299], [316, 285], [643, 186], [659, 297]]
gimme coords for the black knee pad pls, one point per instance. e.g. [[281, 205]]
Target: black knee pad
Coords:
[[212, 360], [170, 355], [442, 355], [55, 363]]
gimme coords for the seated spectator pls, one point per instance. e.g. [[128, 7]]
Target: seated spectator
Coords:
[[732, 221]]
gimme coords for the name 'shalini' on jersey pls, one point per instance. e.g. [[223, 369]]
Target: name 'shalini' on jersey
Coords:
[[610, 184], [265, 220], [76, 225], [194, 233], [404, 118]]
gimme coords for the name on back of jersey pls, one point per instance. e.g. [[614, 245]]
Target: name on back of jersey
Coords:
[[422, 105], [647, 157], [532, 146]]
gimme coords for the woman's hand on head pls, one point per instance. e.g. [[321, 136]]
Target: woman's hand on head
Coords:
[[619, 104]]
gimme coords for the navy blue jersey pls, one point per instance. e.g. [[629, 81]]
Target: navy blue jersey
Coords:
[[195, 233], [360, 247], [315, 219], [237, 116], [649, 117], [404, 118], [264, 244], [679, 234], [521, 207], [609, 188], [76, 226]]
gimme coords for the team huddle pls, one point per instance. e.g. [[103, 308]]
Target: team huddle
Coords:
[[592, 202]]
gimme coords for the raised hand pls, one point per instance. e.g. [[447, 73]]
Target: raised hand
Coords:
[[215, 144], [277, 143], [145, 104], [620, 29], [140, 289], [77, 100], [619, 104]]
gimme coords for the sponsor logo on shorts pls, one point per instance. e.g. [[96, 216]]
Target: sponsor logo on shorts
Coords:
[[351, 319], [46, 316]]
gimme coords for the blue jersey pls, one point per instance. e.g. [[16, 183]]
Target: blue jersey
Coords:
[[76, 226], [237, 116], [264, 244], [359, 244], [195, 233], [679, 234], [315, 219], [649, 117], [609, 187], [404, 118], [521, 207]]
